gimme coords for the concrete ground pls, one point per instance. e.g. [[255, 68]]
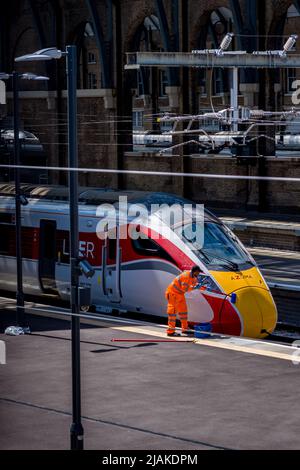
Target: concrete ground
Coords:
[[166, 396]]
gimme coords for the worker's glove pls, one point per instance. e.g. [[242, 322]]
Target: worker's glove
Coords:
[[198, 286], [203, 282]]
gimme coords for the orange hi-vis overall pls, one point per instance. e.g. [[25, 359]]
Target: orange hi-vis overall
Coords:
[[183, 283]]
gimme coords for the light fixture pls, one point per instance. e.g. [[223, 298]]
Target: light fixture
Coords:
[[20, 199], [76, 430], [33, 76], [24, 76], [43, 54], [4, 76]]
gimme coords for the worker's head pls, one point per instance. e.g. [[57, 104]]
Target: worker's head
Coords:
[[195, 271]]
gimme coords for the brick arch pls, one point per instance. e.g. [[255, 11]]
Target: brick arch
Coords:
[[19, 49], [280, 9], [278, 22], [198, 40], [201, 23], [203, 20], [73, 36], [20, 38], [135, 25], [76, 36]]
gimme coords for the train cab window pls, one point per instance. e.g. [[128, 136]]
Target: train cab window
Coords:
[[148, 247], [219, 242], [220, 246]]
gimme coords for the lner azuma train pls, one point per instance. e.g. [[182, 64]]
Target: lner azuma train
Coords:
[[131, 274]]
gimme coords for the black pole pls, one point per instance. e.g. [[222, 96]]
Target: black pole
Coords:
[[76, 431], [19, 294]]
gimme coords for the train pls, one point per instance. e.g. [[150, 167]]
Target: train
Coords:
[[131, 273]]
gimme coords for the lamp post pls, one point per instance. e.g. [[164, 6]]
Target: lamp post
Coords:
[[20, 311], [76, 431]]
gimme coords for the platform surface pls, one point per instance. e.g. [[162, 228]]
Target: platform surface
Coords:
[[218, 393], [279, 268]]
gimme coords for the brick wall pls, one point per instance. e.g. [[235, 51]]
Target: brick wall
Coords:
[[98, 142], [218, 193]]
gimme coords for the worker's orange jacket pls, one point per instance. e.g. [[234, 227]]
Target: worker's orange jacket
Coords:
[[183, 283]]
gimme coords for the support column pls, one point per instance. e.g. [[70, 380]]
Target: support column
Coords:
[[175, 106], [250, 92], [173, 93], [109, 96], [234, 90]]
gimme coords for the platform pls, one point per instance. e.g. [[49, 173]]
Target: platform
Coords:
[[281, 269], [276, 231], [219, 393]]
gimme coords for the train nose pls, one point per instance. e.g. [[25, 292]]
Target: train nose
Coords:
[[258, 311]]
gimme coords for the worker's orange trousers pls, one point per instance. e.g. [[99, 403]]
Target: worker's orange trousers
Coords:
[[176, 305]]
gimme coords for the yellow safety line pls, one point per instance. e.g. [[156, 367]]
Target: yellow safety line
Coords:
[[209, 342], [213, 343], [250, 350]]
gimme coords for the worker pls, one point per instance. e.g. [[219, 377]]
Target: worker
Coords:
[[185, 282]]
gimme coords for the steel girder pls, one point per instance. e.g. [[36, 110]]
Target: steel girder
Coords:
[[104, 44], [246, 25], [228, 60], [171, 44], [43, 41], [297, 4]]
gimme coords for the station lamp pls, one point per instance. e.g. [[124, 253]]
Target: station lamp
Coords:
[[19, 198], [50, 53]]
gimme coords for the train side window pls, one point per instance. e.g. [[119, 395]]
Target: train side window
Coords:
[[148, 247], [6, 218], [145, 246]]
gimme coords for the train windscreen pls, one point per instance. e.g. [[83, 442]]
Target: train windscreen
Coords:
[[220, 248]]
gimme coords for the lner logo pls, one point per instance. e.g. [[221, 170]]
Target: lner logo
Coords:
[[2, 352]]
